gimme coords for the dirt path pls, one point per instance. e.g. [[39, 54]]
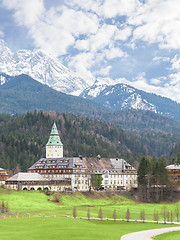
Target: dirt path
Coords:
[[148, 234]]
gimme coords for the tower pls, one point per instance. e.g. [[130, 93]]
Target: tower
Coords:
[[54, 146]]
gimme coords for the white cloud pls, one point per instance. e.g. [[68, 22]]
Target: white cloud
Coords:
[[176, 62], [159, 59], [155, 81], [26, 12], [1, 34], [113, 8], [104, 71], [98, 41], [157, 21], [123, 34], [114, 53], [81, 64], [101, 30]]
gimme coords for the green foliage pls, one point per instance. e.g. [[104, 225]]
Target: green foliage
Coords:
[[152, 134], [96, 180], [174, 154], [23, 138], [153, 179]]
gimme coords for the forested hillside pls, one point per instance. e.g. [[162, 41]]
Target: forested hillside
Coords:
[[23, 139], [174, 155]]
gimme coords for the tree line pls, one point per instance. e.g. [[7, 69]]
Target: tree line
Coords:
[[153, 182]]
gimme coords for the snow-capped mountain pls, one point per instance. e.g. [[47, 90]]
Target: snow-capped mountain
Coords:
[[121, 96], [42, 67]]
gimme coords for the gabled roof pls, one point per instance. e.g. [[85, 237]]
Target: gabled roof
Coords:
[[54, 139], [21, 176]]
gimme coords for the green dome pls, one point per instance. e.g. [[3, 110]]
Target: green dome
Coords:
[[54, 139]]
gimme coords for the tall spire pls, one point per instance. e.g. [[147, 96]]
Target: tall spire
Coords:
[[54, 138], [54, 146]]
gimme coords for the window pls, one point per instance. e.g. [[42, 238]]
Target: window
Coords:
[[114, 181], [106, 174], [126, 181], [106, 182]]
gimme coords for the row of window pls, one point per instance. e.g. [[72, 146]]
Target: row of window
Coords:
[[106, 182], [81, 182], [119, 176]]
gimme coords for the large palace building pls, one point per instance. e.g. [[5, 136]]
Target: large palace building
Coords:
[[59, 173]]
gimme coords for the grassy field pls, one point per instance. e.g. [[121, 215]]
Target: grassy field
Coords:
[[60, 227], [67, 228], [62, 204], [169, 236]]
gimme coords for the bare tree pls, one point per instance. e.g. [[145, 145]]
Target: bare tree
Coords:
[[127, 215], [156, 216], [88, 214], [74, 212], [167, 216], [100, 214], [2, 207], [177, 213], [172, 216], [114, 215], [164, 214], [142, 215]]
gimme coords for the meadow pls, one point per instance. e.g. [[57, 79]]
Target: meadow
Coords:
[[168, 236], [43, 217]]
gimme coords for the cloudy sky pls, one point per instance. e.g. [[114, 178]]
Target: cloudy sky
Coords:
[[131, 41]]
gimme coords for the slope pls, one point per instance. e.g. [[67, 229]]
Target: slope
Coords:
[[121, 96], [22, 93]]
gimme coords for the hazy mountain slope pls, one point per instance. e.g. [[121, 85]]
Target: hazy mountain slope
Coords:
[[121, 96], [23, 94]]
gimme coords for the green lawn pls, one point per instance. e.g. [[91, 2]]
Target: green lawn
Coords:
[[169, 236], [67, 228], [38, 203], [60, 227]]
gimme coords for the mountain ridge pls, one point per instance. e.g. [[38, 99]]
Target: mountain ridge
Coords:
[[42, 67], [23, 94], [122, 96]]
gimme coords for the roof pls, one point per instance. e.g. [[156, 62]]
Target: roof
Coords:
[[113, 165], [57, 163], [54, 139], [173, 166], [21, 176]]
